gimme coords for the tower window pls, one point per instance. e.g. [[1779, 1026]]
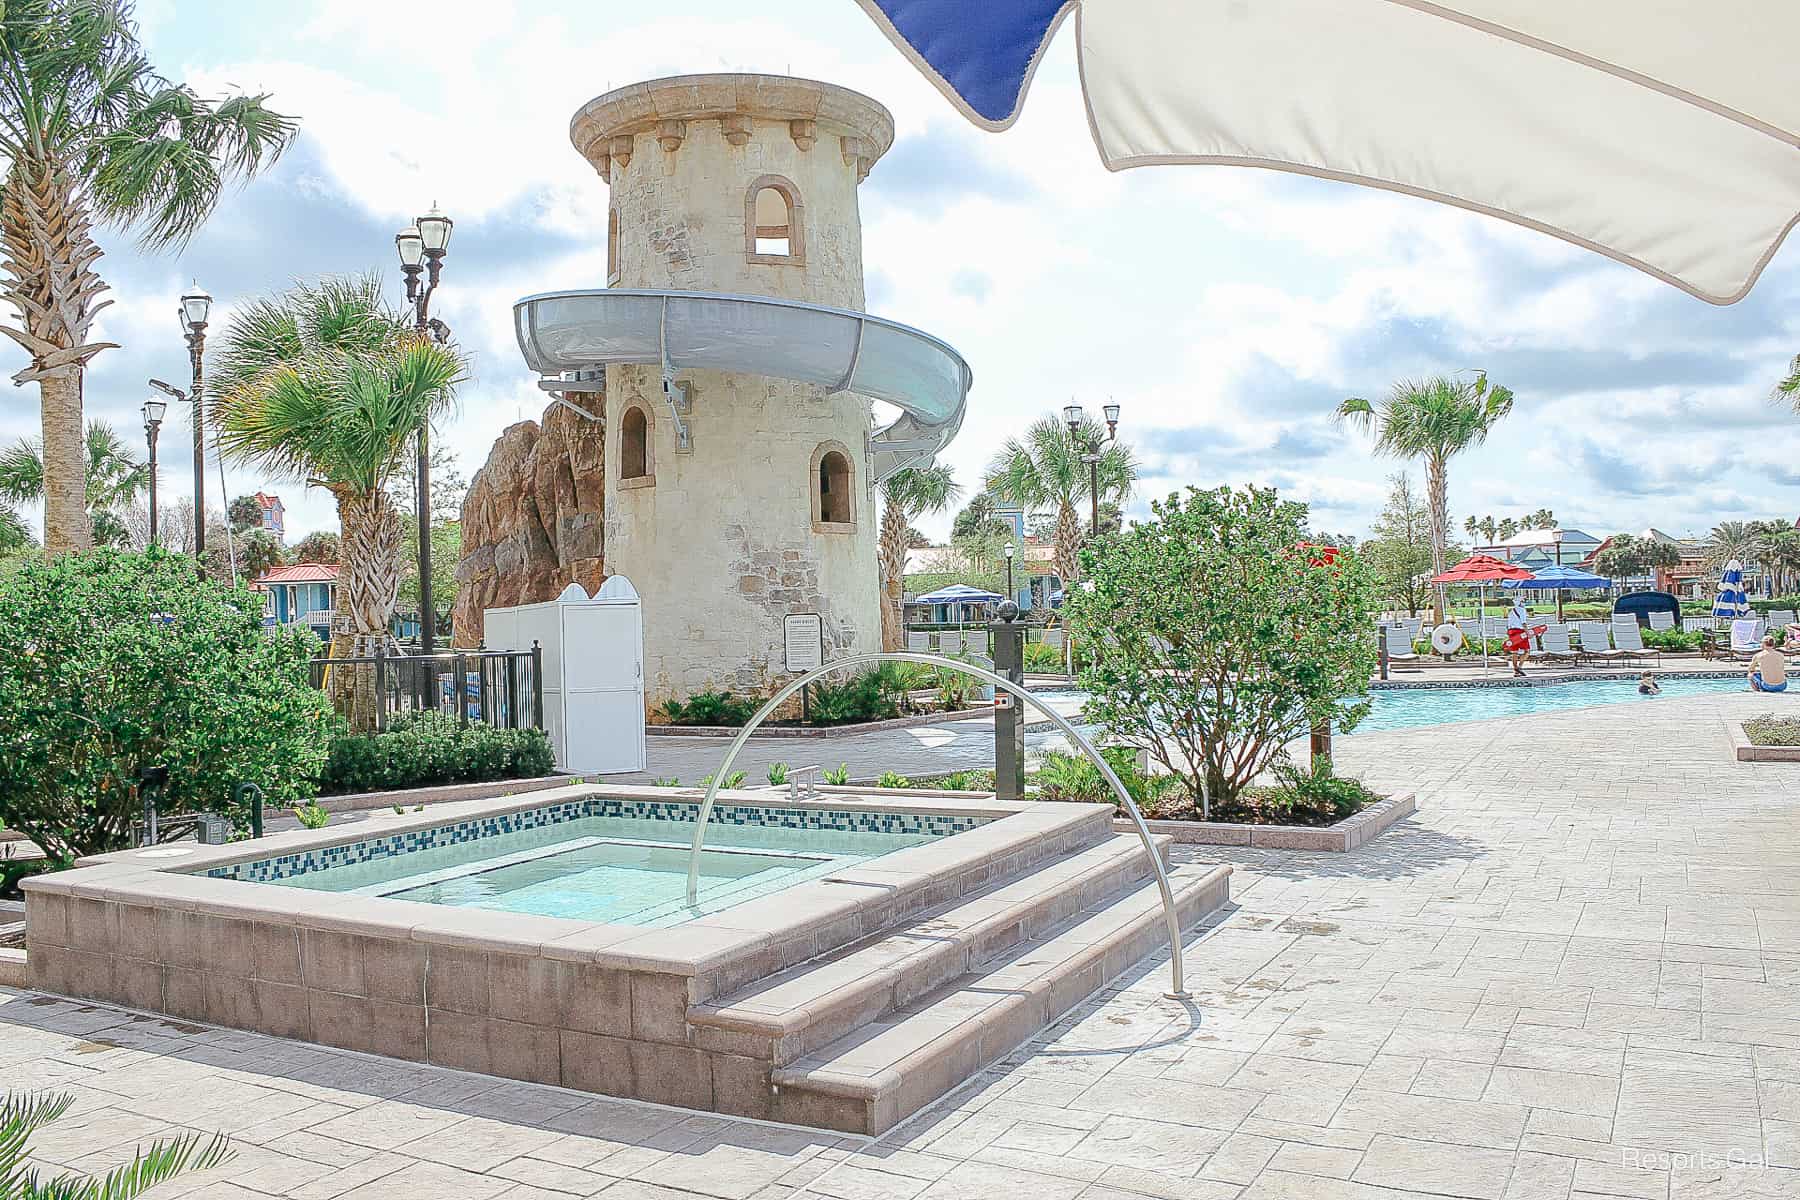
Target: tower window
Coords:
[[772, 222], [634, 448], [834, 507]]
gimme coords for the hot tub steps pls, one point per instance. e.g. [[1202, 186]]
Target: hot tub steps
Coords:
[[894, 1065], [811, 1004]]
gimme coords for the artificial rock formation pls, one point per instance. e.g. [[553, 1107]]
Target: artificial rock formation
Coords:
[[533, 520]]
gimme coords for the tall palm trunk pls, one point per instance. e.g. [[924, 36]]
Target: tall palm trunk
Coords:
[[66, 524], [1068, 541], [891, 556], [367, 589], [1437, 500], [48, 265]]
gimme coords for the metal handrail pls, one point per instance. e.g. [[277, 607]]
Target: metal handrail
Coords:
[[1177, 990]]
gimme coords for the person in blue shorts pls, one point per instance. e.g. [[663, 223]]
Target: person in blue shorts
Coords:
[[1768, 670]]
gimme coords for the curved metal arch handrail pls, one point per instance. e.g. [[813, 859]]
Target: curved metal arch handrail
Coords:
[[1177, 990]]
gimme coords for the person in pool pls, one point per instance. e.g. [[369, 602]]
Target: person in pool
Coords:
[[1647, 685], [1768, 670]]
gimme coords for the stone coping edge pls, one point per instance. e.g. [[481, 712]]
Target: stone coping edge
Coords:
[[13, 971], [1345, 835], [1747, 751], [1535, 680], [440, 793]]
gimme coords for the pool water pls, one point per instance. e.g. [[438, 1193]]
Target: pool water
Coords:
[[622, 870], [1412, 707]]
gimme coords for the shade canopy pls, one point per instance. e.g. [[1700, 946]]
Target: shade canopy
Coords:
[[1558, 578], [834, 348], [1660, 134], [1731, 601], [1481, 568], [959, 593]]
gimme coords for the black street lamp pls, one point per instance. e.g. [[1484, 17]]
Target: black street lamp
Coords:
[[1009, 578], [421, 247], [196, 307], [1090, 453], [153, 419]]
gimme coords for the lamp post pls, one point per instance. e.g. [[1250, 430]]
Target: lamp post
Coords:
[[1009, 577], [421, 247], [1090, 454], [196, 307], [153, 419]]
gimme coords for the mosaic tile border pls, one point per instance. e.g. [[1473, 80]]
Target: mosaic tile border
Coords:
[[1421, 685], [676, 812]]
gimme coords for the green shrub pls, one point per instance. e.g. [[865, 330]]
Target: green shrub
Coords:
[[311, 815], [733, 780], [893, 779], [434, 748], [778, 773], [1791, 603], [1770, 730], [710, 708], [1063, 776], [864, 696], [671, 781], [112, 662], [1320, 795], [837, 776], [1673, 639]]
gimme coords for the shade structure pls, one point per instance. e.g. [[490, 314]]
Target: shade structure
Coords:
[[1559, 579], [1731, 601], [1482, 568], [1658, 133], [838, 349], [959, 593]]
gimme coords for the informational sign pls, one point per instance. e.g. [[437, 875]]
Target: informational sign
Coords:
[[803, 634]]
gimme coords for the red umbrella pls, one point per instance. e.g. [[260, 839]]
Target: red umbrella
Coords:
[[1482, 569]]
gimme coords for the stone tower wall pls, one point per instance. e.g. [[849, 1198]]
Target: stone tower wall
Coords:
[[724, 540]]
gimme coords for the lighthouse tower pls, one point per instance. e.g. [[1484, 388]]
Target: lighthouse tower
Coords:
[[735, 500]]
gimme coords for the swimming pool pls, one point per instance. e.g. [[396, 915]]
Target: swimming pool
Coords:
[[1409, 708], [621, 862]]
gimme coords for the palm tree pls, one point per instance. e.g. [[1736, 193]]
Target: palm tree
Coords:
[[327, 385], [114, 480], [1434, 419], [90, 132], [1044, 471], [1788, 390], [907, 493], [1742, 540], [14, 533], [1783, 554], [23, 1113]]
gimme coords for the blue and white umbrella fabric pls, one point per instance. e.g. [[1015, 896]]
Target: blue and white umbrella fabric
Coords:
[[1660, 135], [960, 593], [1731, 601]]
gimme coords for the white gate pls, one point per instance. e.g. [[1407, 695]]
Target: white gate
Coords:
[[593, 672]]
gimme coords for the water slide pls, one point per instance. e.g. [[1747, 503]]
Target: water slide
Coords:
[[564, 333]]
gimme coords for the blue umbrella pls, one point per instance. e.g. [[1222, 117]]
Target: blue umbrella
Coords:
[[1559, 578], [959, 593], [1731, 601]]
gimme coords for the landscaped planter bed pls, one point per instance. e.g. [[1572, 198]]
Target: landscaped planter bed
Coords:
[[1746, 750], [439, 793], [806, 731], [1348, 834]]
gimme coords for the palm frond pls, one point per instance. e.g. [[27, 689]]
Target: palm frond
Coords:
[[21, 1114]]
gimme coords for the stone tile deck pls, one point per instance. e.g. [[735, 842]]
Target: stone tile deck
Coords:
[[1575, 973]]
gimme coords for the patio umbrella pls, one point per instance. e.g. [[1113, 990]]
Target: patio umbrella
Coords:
[[1560, 580], [1482, 569], [1731, 601], [1661, 135]]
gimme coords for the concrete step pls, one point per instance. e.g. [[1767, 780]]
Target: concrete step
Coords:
[[886, 1070], [807, 1006]]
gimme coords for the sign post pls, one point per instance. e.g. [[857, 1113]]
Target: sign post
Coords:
[[803, 642], [1009, 715]]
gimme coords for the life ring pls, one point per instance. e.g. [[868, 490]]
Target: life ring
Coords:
[[1446, 639]]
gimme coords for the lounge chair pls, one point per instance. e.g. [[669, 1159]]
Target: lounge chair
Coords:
[[1629, 639], [1746, 636], [1662, 620], [1596, 642], [1780, 618], [1400, 645], [1553, 645]]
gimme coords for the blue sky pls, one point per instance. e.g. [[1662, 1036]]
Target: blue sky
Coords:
[[1227, 310]]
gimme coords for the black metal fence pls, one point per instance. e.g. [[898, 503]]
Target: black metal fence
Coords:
[[502, 688]]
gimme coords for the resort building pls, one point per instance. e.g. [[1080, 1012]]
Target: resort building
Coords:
[[303, 594], [1534, 549], [274, 516]]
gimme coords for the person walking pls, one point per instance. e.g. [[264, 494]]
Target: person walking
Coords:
[[1518, 634]]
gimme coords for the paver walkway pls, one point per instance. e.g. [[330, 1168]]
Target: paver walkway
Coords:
[[1576, 973]]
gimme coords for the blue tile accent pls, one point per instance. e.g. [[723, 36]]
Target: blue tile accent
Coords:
[[676, 812]]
